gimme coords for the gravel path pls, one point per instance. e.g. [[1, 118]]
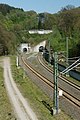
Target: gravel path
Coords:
[[20, 105]]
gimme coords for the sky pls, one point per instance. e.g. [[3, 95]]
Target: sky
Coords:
[[39, 6]]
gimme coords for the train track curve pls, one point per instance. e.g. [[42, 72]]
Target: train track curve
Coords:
[[66, 95]]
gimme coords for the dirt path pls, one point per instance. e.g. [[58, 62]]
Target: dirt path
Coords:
[[20, 105]]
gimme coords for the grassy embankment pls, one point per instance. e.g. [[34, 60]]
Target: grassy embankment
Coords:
[[6, 112], [40, 103]]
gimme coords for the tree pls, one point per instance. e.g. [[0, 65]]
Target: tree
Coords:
[[68, 7]]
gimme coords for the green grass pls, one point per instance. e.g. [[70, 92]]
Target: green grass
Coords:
[[6, 112], [39, 102], [73, 80]]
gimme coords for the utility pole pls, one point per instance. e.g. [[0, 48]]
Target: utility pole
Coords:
[[56, 96], [67, 64], [49, 51], [17, 61]]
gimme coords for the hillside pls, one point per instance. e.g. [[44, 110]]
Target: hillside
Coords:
[[15, 24]]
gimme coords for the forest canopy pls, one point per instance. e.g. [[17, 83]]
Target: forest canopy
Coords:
[[15, 24]]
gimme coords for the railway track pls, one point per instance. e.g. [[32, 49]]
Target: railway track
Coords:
[[66, 95], [61, 77]]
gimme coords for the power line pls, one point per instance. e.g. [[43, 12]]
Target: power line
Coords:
[[75, 64]]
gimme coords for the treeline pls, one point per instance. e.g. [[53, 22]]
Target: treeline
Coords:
[[15, 24], [69, 26]]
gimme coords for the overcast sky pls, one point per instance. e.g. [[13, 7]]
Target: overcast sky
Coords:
[[51, 6]]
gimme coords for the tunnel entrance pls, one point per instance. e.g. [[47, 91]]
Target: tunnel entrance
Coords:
[[24, 49]]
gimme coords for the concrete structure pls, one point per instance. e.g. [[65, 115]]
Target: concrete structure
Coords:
[[40, 31], [24, 47], [36, 48]]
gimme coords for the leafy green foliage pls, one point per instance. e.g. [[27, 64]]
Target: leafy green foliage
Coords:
[[69, 26], [15, 24], [4, 9]]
